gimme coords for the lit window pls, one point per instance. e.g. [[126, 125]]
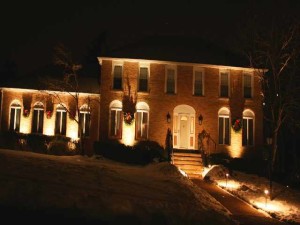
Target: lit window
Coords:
[[224, 128], [142, 121], [224, 84], [15, 116], [143, 79], [85, 120], [248, 128], [117, 77], [198, 82], [170, 80], [115, 119], [38, 118], [247, 81], [60, 121]]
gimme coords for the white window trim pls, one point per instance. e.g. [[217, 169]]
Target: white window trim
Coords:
[[228, 72], [174, 67], [247, 118], [84, 120], [38, 115], [14, 107], [199, 69], [143, 65], [252, 84], [109, 130], [223, 141], [141, 110], [117, 63]]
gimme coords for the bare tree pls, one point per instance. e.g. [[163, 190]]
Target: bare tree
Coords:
[[68, 84], [274, 53]]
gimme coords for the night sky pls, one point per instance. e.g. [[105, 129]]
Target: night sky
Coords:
[[31, 29]]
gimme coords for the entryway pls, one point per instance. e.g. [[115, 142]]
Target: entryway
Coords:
[[184, 127]]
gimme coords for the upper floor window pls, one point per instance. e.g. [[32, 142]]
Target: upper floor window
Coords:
[[224, 126], [224, 84], [115, 119], [248, 127], [38, 118], [171, 80], [142, 121], [15, 116], [117, 76], [247, 85], [60, 121], [198, 86], [143, 79], [85, 120]]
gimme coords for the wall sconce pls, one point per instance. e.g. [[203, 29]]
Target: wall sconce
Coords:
[[168, 117], [200, 119]]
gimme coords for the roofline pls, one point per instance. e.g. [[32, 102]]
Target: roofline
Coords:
[[34, 90], [100, 59]]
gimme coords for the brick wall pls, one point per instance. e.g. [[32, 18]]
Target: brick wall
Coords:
[[208, 105]]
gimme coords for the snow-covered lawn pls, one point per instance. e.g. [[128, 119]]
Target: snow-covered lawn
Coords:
[[251, 188], [98, 189]]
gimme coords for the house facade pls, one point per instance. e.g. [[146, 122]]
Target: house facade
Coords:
[[30, 111], [223, 102]]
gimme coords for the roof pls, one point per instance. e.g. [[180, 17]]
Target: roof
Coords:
[[179, 49]]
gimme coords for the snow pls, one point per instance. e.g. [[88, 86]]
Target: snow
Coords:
[[98, 189], [251, 188]]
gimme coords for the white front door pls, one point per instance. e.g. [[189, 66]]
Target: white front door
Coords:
[[184, 129]]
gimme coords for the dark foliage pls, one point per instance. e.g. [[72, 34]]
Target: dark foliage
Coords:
[[61, 145], [144, 152]]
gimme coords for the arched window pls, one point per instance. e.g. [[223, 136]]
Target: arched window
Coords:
[[85, 120], [248, 127], [224, 126], [60, 120], [15, 116], [115, 119], [142, 120], [38, 118]]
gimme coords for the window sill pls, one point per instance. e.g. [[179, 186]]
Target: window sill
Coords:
[[170, 93], [224, 98], [199, 95], [143, 92]]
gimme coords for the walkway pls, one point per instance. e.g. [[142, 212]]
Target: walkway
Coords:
[[241, 211]]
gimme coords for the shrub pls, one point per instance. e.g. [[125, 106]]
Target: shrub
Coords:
[[9, 140], [61, 145], [37, 142], [142, 153]]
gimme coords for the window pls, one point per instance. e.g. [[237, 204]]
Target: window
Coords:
[[38, 118], [142, 121], [15, 116], [247, 83], [248, 128], [115, 127], [117, 77], [143, 79], [60, 121], [170, 80], [224, 84], [85, 120], [198, 82], [224, 126]]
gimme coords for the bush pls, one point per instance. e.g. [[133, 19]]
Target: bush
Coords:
[[10, 140], [37, 142], [142, 153], [61, 145]]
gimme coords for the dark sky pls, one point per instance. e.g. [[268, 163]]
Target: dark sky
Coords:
[[30, 29]]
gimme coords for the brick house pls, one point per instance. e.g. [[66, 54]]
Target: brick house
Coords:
[[25, 109], [185, 97]]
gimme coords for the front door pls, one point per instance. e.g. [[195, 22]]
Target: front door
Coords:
[[184, 132]]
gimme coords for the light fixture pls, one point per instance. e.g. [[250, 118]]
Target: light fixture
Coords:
[[269, 140], [200, 119], [168, 117]]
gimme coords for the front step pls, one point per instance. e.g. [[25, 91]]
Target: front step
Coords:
[[189, 161]]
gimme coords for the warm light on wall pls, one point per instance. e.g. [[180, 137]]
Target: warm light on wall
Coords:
[[128, 134], [72, 129], [25, 125], [49, 126], [235, 149]]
